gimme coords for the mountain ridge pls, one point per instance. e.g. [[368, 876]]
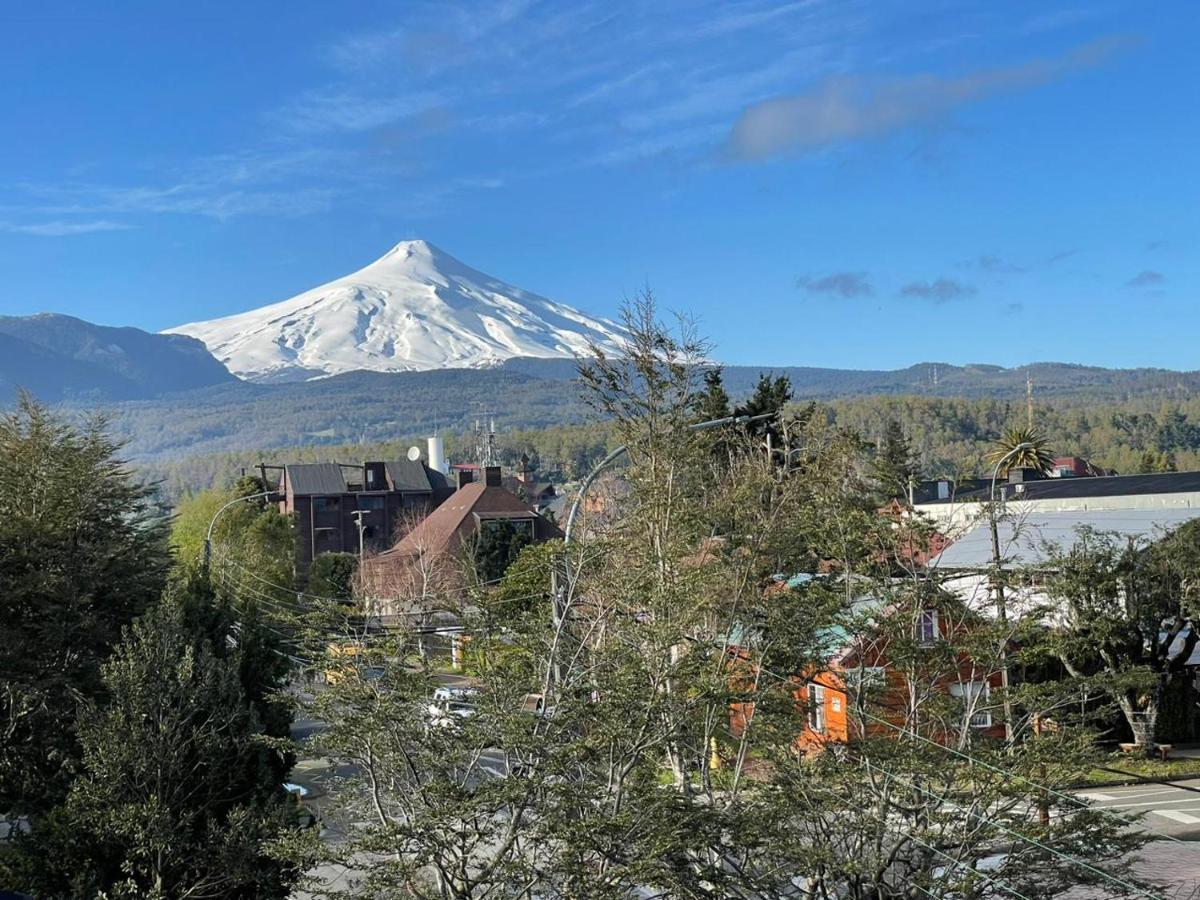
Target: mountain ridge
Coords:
[[62, 358]]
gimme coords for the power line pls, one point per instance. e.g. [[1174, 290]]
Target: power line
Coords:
[[1082, 804], [992, 822]]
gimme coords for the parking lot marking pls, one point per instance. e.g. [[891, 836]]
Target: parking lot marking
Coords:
[[1176, 815]]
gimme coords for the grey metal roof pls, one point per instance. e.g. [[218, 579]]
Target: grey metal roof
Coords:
[[1078, 488], [1023, 538], [316, 478], [408, 475]]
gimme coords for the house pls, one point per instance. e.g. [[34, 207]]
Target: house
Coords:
[[862, 665], [525, 484], [444, 534], [327, 501]]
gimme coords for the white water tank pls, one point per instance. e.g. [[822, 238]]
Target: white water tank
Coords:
[[437, 455]]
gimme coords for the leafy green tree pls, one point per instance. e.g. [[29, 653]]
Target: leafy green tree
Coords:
[[332, 575], [1128, 616], [1156, 461], [180, 792], [1034, 452], [82, 552]]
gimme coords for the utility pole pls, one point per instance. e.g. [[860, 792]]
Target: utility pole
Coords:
[[998, 587], [357, 516], [1029, 401]]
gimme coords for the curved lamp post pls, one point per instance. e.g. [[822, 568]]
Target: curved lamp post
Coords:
[[212, 524], [559, 585], [622, 450], [998, 587]]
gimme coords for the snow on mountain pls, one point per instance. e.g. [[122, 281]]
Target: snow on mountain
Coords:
[[414, 308]]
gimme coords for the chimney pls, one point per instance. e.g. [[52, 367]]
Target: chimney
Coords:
[[464, 477], [491, 476]]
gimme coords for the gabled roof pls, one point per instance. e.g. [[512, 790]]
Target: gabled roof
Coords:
[[315, 478], [440, 530]]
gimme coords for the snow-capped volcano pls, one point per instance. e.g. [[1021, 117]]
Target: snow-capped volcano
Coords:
[[414, 308]]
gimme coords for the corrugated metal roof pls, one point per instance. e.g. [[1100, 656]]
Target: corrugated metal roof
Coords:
[[408, 475], [316, 478], [1023, 539]]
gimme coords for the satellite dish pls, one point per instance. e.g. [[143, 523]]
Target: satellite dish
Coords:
[[414, 453]]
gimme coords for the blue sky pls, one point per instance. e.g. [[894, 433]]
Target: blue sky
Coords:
[[831, 183]]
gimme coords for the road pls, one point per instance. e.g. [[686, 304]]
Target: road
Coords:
[[1168, 809]]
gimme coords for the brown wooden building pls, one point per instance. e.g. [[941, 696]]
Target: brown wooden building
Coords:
[[324, 499]]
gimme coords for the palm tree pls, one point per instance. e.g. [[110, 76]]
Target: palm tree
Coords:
[[1025, 448]]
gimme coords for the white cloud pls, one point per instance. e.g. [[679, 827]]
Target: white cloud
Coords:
[[844, 108], [61, 228]]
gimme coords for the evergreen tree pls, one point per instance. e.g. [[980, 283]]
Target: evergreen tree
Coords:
[[498, 544], [894, 464], [771, 396], [332, 575], [81, 554], [180, 792], [713, 403]]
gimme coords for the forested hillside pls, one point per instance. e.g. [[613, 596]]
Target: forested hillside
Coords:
[[950, 436], [371, 407]]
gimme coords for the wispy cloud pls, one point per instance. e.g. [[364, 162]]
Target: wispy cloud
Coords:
[[999, 265], [63, 228], [847, 108], [348, 110], [1146, 278], [840, 284], [940, 290], [996, 265]]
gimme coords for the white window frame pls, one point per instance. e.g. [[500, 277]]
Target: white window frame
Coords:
[[816, 708], [931, 617], [972, 693]]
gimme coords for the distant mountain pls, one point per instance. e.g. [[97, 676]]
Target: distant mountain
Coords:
[[365, 407], [416, 308], [58, 358]]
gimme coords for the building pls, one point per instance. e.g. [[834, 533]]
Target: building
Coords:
[[435, 545], [861, 665], [327, 501], [525, 484], [955, 509]]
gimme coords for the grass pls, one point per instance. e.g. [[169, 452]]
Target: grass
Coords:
[[1123, 768]]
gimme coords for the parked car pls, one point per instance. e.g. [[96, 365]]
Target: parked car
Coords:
[[451, 705]]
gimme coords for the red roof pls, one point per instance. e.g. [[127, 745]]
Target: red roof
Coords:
[[444, 528]]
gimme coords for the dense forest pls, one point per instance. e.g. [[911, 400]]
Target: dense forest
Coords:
[[949, 437]]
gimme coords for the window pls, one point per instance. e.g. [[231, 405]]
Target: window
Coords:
[[326, 504], [974, 695], [370, 504], [816, 707], [927, 627], [863, 681]]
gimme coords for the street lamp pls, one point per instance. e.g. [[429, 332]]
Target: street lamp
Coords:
[[998, 587], [622, 450], [357, 517], [558, 585], [212, 524]]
